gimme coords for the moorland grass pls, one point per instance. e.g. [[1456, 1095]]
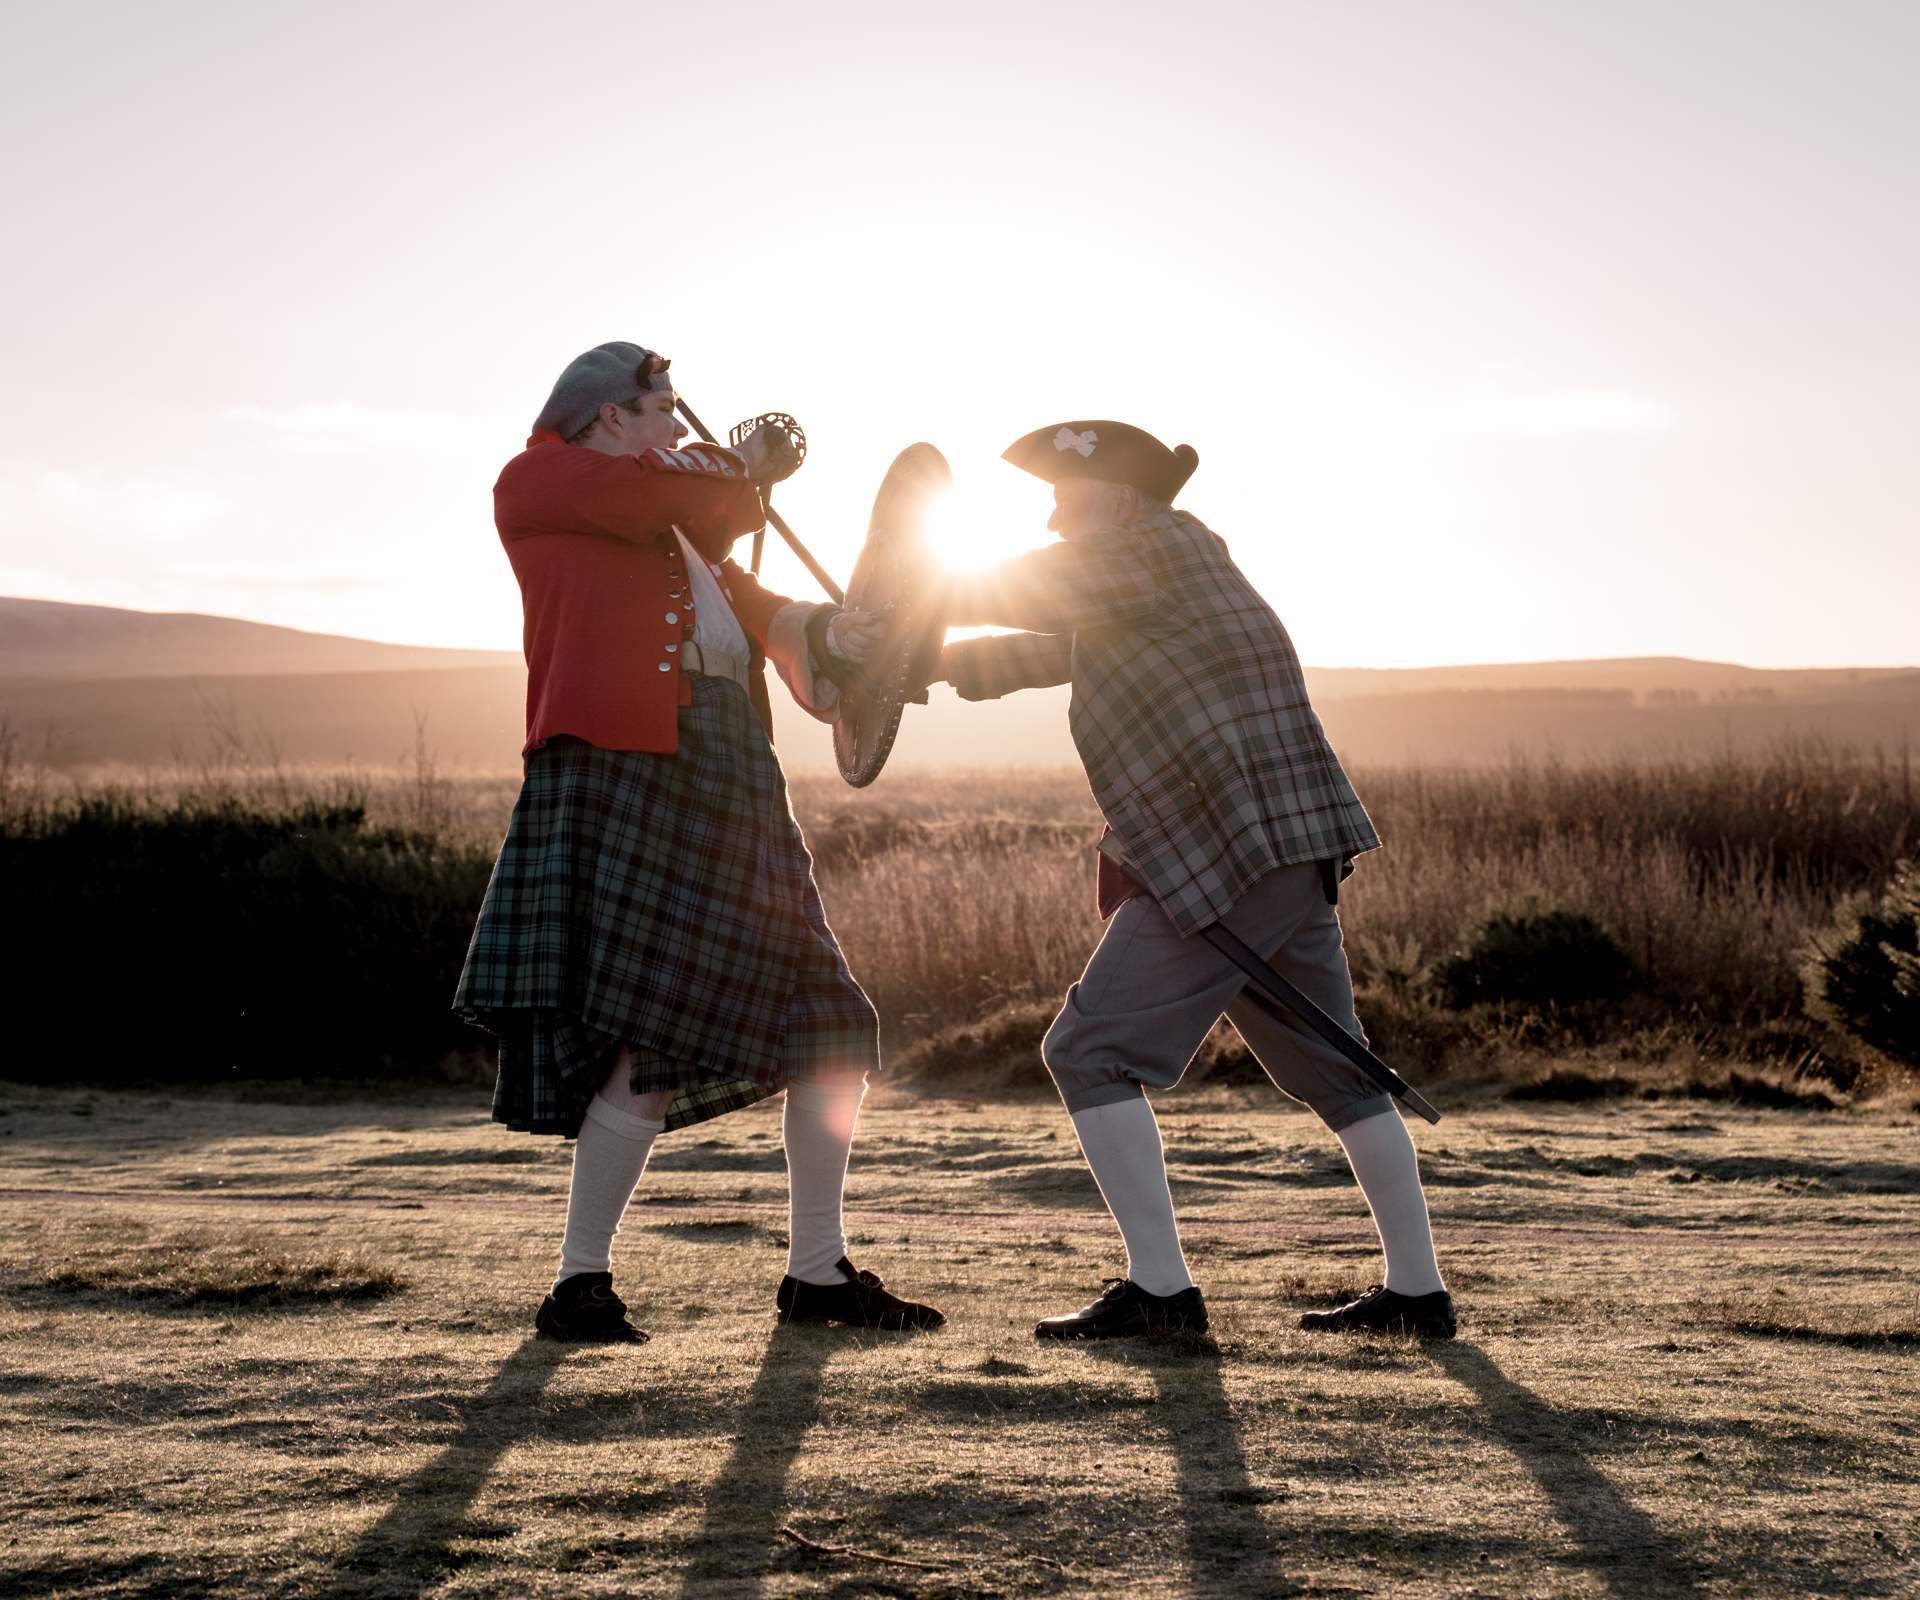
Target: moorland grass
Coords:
[[1687, 1363], [966, 897], [202, 1267]]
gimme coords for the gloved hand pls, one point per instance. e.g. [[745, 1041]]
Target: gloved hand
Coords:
[[769, 454], [854, 635]]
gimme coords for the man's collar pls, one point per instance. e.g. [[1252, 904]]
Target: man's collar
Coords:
[[544, 436], [1151, 521], [1142, 522]]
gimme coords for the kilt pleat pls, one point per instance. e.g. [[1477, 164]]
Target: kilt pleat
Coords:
[[667, 903]]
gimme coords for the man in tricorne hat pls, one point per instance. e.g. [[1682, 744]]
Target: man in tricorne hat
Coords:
[[651, 950], [1224, 803]]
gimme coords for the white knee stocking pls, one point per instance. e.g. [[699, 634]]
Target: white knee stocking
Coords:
[[608, 1159], [818, 1124], [1122, 1145], [1381, 1151]]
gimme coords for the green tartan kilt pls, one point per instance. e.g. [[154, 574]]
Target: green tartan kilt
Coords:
[[667, 903]]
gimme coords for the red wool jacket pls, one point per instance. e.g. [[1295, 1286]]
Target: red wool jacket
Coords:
[[604, 588]]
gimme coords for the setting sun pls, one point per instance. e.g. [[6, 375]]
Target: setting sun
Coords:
[[991, 514]]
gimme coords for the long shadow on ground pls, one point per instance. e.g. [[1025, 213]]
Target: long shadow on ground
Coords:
[[1618, 1542], [410, 1549], [746, 1503], [1229, 1545]]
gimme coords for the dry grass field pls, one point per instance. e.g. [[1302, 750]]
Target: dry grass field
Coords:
[[275, 1341], [964, 898], [252, 1347]]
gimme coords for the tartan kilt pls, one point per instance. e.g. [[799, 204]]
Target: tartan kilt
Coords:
[[667, 903]]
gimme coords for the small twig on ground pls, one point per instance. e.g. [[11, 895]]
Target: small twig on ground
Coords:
[[799, 1538]]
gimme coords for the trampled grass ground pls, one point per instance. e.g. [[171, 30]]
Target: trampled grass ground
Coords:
[[256, 1348]]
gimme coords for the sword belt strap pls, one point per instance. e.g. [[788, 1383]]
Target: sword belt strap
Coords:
[[714, 663]]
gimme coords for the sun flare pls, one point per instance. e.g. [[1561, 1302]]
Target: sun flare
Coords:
[[979, 522]]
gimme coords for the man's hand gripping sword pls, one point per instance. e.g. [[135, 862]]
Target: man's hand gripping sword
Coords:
[[797, 447]]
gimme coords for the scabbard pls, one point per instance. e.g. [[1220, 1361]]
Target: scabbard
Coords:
[[1278, 997]]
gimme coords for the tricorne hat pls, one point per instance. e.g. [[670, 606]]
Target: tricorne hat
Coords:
[[608, 374], [1113, 452]]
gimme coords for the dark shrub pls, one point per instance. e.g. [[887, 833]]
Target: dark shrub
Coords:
[[1573, 1084], [213, 938], [999, 1054], [1552, 958], [1866, 976]]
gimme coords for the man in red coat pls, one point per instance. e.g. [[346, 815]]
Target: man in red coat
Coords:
[[605, 594], [652, 949]]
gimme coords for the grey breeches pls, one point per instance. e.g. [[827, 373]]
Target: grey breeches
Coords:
[[1149, 997]]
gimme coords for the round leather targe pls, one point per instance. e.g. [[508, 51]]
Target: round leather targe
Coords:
[[897, 576]]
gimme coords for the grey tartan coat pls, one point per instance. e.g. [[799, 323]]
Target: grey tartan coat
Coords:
[[1189, 708]]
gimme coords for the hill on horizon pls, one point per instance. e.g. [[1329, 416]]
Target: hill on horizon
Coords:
[[90, 686], [58, 639], [1638, 675], [54, 639]]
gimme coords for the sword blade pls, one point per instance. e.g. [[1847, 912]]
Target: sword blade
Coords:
[[1277, 996], [819, 572]]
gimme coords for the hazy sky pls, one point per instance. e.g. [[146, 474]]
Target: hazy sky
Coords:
[[1503, 331]]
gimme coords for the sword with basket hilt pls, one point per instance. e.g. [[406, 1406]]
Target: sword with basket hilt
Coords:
[[797, 437], [895, 577]]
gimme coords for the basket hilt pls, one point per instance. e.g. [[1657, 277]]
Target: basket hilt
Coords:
[[796, 435], [737, 434]]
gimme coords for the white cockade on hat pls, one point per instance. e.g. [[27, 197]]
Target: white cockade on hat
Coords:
[[1067, 439]]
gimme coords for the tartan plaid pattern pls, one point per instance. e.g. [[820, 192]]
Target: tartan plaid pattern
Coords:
[[1189, 709], [985, 669], [665, 902]]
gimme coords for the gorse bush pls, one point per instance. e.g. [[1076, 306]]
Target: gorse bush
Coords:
[[1551, 958], [206, 938], [1866, 976]]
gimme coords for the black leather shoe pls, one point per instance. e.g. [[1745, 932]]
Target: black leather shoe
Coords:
[[861, 1301], [584, 1309], [1380, 1310], [1126, 1310]]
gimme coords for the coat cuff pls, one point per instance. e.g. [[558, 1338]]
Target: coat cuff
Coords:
[[816, 693]]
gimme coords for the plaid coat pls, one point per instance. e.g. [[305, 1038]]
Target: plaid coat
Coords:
[[1189, 708]]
